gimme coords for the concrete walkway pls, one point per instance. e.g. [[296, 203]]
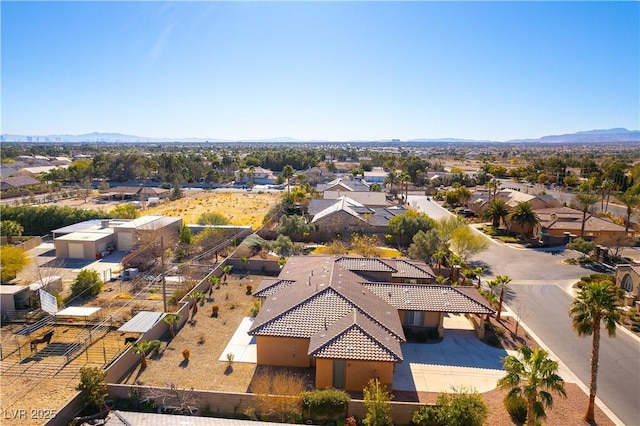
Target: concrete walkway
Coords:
[[242, 345], [460, 359]]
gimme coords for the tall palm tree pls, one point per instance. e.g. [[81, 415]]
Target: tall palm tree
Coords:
[[391, 180], [585, 200], [287, 173], [405, 179], [497, 211], [631, 202], [532, 375], [493, 185], [524, 216], [595, 303], [500, 281]]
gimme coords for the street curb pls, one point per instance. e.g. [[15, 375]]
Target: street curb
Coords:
[[573, 379]]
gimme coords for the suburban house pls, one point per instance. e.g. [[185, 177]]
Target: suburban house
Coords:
[[481, 197], [18, 183], [370, 199], [347, 316], [93, 239], [628, 279], [376, 175], [559, 223], [345, 185], [135, 193], [344, 216], [257, 175]]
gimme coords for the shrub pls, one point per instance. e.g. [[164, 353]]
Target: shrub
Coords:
[[186, 353], [87, 283], [516, 407], [93, 387], [255, 308], [330, 403], [249, 288], [493, 340], [214, 311], [460, 408]]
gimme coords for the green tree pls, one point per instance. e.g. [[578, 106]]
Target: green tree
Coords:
[[532, 375], [631, 201], [408, 224], [377, 400], [185, 235], [283, 245], [392, 180], [585, 201], [497, 211], [466, 242], [125, 211], [12, 261], [583, 246], [595, 303], [87, 283], [93, 388], [460, 408], [425, 244], [177, 192], [212, 218], [524, 216], [294, 226], [287, 174], [10, 229], [226, 270]]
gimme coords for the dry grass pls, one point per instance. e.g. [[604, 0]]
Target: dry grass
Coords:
[[239, 207]]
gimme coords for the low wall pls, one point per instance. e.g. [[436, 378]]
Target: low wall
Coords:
[[232, 404], [66, 413], [254, 265], [25, 245]]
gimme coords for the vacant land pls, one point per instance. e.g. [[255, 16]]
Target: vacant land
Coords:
[[239, 207]]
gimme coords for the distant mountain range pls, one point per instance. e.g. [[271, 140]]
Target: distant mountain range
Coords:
[[590, 136]]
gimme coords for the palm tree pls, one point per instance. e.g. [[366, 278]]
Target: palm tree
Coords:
[[405, 179], [171, 320], [197, 297], [497, 211], [595, 303], [10, 229], [227, 270], [143, 347], [391, 180], [532, 375], [585, 200], [501, 281], [251, 174], [493, 185], [524, 216], [631, 202], [287, 173], [438, 256]]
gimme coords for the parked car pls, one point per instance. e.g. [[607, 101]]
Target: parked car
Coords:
[[466, 212]]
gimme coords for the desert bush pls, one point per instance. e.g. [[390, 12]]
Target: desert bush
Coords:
[[278, 394], [516, 407], [460, 408], [329, 403], [214, 311], [87, 283], [186, 353], [93, 387]]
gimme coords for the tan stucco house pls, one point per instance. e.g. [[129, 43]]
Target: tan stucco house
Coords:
[[628, 279], [92, 238], [347, 316]]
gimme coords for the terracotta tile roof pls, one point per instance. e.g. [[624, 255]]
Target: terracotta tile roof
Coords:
[[432, 298], [269, 286], [365, 264], [355, 336], [565, 218], [412, 270]]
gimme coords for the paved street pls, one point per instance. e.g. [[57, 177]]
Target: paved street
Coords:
[[540, 294]]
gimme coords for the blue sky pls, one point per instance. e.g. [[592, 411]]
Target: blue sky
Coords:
[[320, 70]]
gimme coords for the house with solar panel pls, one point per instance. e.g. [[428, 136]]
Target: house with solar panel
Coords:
[[348, 316]]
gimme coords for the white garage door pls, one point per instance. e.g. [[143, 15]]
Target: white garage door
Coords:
[[125, 241], [76, 251]]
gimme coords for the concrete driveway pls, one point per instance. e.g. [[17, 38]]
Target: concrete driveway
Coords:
[[460, 359]]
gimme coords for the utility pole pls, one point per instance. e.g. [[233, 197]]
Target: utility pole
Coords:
[[162, 272]]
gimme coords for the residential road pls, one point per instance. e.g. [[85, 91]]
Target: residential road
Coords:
[[541, 293]]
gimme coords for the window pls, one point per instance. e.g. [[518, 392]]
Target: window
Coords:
[[413, 318], [627, 283]]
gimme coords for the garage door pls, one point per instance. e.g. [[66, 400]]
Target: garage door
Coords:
[[76, 251], [125, 241]]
